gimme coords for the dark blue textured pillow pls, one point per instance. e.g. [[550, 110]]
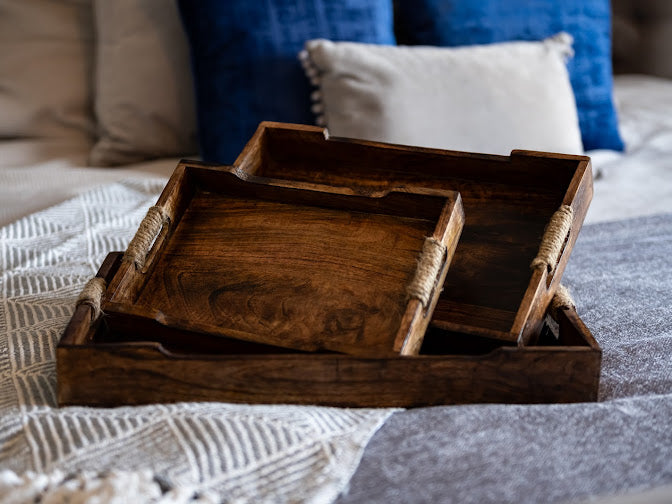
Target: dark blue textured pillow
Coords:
[[244, 59], [466, 22]]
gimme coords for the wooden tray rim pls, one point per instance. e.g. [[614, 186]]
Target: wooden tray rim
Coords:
[[541, 285], [416, 315]]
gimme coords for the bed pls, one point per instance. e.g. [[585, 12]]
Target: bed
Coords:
[[61, 211]]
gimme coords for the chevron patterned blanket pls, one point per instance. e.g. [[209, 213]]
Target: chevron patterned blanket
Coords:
[[240, 453]]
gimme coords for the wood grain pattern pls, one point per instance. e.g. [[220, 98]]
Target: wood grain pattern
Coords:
[[295, 268], [483, 344], [145, 363], [508, 200], [142, 373]]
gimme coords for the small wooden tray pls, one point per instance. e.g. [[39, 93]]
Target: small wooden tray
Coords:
[[296, 268], [97, 366], [491, 289]]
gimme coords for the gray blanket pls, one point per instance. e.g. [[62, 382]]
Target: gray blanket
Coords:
[[620, 274]]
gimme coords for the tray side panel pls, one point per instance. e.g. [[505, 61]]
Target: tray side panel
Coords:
[[138, 375], [543, 284]]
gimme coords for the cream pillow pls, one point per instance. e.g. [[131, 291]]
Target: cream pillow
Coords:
[[144, 92], [46, 54], [489, 98]]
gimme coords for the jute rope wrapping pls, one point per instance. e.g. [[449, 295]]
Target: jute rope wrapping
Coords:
[[429, 265], [561, 300], [148, 230], [92, 295], [553, 239]]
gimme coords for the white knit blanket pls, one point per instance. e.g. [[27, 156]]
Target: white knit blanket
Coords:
[[236, 453]]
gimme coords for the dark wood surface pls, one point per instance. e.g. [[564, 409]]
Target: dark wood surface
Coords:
[[98, 367], [295, 268], [490, 289], [492, 302]]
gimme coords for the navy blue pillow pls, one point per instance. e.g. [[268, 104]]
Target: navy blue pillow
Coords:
[[467, 22], [244, 60]]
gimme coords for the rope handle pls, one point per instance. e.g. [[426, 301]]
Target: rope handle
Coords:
[[562, 300], [554, 238], [427, 272], [92, 296], [149, 229]]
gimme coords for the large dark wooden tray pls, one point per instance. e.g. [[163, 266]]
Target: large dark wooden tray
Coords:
[[295, 268], [490, 290], [97, 366]]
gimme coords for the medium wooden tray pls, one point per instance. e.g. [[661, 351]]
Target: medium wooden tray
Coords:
[[296, 268], [491, 289], [98, 367]]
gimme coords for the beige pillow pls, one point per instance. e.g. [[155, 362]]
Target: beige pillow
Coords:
[[144, 93], [46, 54], [491, 98]]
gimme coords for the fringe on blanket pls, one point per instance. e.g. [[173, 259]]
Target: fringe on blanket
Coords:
[[114, 487]]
